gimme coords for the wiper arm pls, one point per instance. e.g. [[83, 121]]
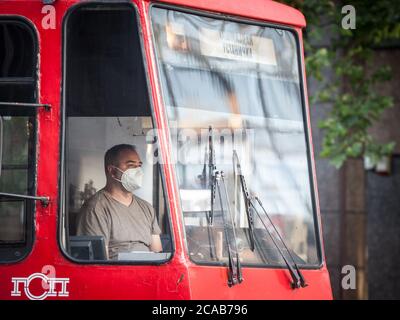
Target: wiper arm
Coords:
[[297, 276], [247, 199]]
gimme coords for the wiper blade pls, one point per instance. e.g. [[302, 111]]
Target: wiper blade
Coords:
[[297, 276], [216, 182], [211, 173], [234, 266], [211, 184], [209, 161], [209, 180], [247, 199]]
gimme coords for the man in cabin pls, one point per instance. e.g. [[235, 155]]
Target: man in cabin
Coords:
[[127, 222]]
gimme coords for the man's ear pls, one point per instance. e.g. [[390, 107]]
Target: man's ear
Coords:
[[109, 170]]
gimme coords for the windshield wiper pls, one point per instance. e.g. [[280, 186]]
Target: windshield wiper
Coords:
[[209, 161], [216, 182], [211, 172], [297, 277], [235, 268]]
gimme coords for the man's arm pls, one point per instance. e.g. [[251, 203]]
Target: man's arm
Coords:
[[93, 222], [155, 245]]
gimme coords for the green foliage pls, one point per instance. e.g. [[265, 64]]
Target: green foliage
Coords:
[[356, 103]]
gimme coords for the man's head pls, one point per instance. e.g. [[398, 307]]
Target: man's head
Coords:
[[118, 159]]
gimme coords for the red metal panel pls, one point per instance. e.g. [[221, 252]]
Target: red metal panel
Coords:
[[258, 283]]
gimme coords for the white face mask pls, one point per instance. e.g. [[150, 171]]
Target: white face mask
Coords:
[[131, 179]]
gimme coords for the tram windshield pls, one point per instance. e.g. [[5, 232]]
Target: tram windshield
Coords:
[[238, 85]]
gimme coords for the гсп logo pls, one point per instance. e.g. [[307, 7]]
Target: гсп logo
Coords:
[[53, 286]]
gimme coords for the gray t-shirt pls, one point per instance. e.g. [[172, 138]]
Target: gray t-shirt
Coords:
[[124, 228]]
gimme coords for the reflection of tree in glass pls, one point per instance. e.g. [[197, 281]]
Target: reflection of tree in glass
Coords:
[[88, 191], [17, 132], [16, 137]]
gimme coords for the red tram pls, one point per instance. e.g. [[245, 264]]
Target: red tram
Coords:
[[213, 96]]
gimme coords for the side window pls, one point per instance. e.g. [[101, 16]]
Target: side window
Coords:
[[18, 59], [114, 207]]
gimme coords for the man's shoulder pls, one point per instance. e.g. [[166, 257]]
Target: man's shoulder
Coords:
[[143, 203], [93, 219], [96, 201]]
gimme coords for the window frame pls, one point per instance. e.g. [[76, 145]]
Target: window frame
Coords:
[[63, 216], [19, 250], [305, 118]]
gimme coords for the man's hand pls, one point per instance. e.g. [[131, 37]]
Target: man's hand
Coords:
[[155, 245]]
